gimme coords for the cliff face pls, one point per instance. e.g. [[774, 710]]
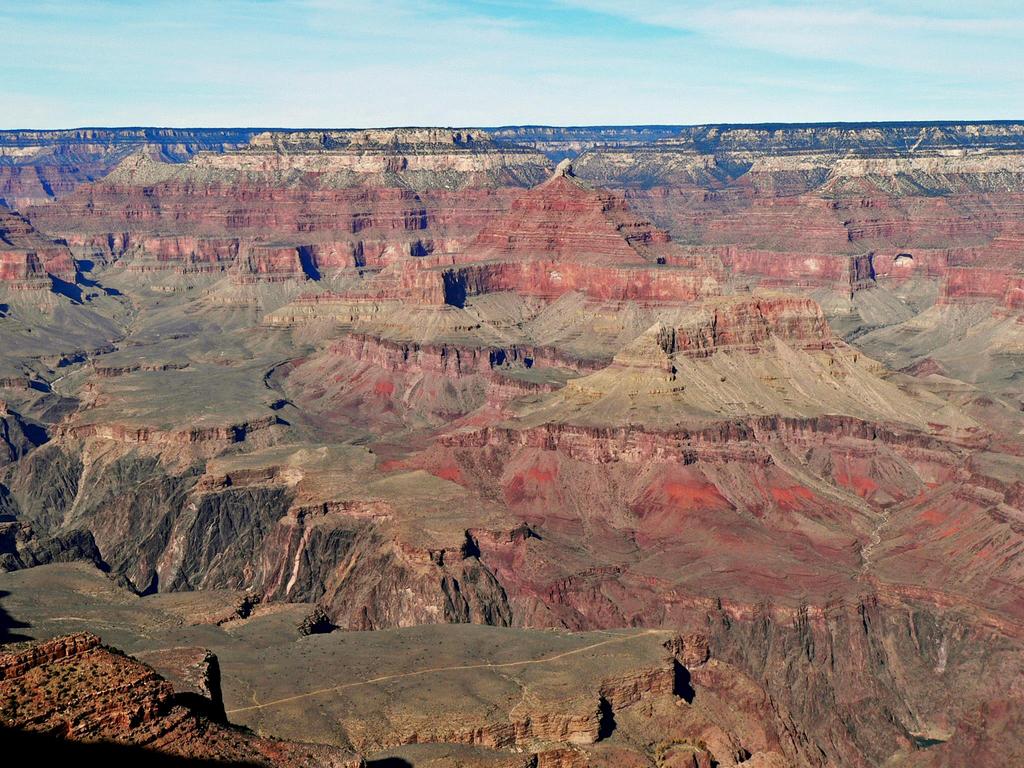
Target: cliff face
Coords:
[[418, 158], [557, 238], [783, 138], [210, 226], [421, 158], [38, 166], [749, 324], [27, 258]]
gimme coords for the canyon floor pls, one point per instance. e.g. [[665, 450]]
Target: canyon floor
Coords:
[[681, 447]]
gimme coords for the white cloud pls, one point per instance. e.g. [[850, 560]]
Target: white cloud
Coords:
[[878, 36]]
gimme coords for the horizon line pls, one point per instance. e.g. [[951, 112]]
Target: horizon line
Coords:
[[505, 126]]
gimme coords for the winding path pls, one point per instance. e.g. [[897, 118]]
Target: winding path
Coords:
[[455, 668]]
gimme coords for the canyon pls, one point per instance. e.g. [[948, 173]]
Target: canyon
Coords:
[[648, 446]]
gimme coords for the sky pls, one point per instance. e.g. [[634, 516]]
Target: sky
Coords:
[[347, 63]]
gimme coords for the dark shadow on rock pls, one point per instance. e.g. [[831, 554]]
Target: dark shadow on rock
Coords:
[[90, 283], [605, 719], [470, 547], [7, 623], [201, 705], [389, 762], [308, 262], [52, 750], [35, 433], [66, 289], [682, 687], [150, 589], [455, 289], [72, 359]]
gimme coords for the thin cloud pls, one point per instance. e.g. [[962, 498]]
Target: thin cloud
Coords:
[[479, 62], [868, 36]]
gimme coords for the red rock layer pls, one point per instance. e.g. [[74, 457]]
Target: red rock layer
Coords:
[[219, 435], [848, 236], [204, 227], [22, 185], [562, 220], [557, 237], [27, 258], [270, 263], [749, 323], [562, 236]]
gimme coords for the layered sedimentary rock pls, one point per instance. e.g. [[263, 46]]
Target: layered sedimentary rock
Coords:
[[27, 258], [38, 166], [788, 474], [771, 139], [755, 386], [880, 222], [344, 202], [424, 158], [557, 238], [562, 236]]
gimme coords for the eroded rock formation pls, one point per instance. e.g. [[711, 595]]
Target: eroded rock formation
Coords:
[[753, 387]]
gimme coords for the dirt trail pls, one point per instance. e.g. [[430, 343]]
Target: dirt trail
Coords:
[[455, 668]]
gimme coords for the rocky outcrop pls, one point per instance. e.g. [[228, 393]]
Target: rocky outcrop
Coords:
[[222, 435], [551, 279], [561, 219], [562, 236], [454, 361], [387, 583], [195, 675], [584, 719], [74, 689], [966, 285], [21, 547], [272, 264], [266, 228], [747, 324], [18, 435]]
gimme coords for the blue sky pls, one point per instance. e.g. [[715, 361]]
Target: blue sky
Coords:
[[306, 63]]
